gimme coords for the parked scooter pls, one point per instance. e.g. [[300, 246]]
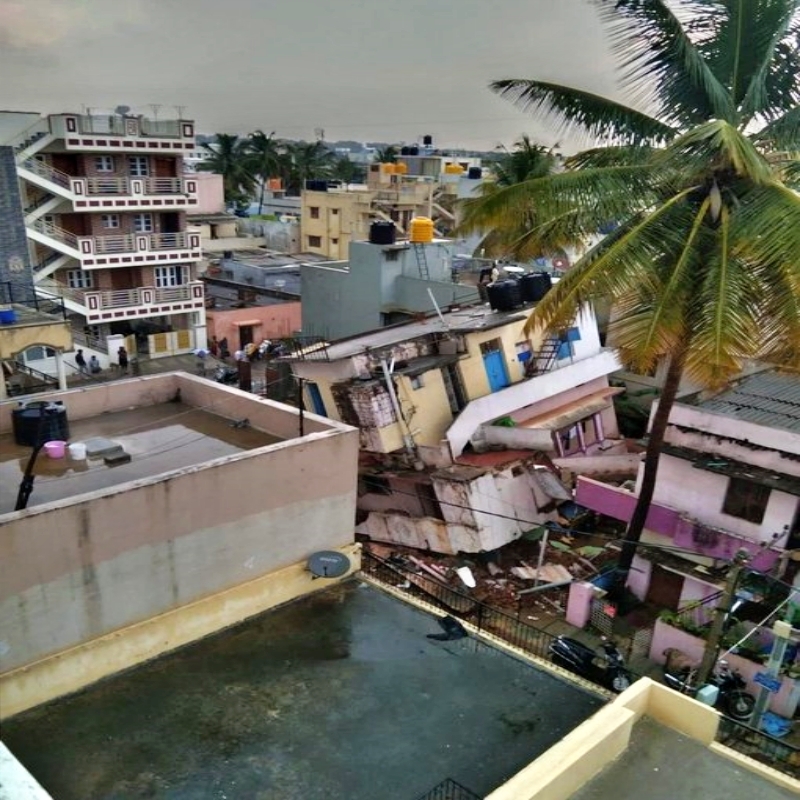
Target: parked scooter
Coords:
[[607, 669], [732, 700], [223, 374]]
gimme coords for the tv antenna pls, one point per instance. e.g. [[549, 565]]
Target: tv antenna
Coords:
[[155, 107], [320, 134]]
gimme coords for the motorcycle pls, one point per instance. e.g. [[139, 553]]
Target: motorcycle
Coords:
[[732, 699], [607, 669]]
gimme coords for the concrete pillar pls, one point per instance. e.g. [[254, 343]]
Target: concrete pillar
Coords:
[[579, 604], [3, 388], [61, 370]]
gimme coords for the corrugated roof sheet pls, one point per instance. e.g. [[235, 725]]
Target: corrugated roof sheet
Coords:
[[771, 399]]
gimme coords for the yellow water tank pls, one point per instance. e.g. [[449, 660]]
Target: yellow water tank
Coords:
[[421, 231], [400, 168], [387, 169], [453, 169]]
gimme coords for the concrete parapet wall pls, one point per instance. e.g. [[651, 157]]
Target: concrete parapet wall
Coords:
[[72, 669]]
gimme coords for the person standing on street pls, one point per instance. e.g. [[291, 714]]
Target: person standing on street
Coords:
[[122, 358], [80, 361]]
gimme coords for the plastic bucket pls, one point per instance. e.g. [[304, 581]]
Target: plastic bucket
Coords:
[[77, 451], [55, 449], [8, 316]]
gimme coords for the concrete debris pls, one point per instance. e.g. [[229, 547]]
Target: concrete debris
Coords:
[[549, 573], [494, 569]]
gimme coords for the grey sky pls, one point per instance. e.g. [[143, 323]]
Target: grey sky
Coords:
[[388, 70]]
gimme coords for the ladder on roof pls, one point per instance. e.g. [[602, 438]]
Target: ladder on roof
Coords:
[[544, 359], [422, 261]]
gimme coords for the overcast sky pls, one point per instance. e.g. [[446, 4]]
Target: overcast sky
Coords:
[[387, 70]]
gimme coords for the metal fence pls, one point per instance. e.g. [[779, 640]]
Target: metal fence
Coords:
[[761, 746], [449, 790], [484, 617]]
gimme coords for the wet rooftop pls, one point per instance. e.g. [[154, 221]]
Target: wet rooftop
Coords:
[[661, 764], [338, 695], [158, 438]]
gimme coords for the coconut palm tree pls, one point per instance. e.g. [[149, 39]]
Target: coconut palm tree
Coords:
[[703, 266], [228, 156], [263, 160], [386, 155], [306, 161], [512, 236]]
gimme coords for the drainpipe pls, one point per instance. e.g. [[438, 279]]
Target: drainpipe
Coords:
[[408, 439]]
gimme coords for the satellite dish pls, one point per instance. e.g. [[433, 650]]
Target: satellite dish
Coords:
[[328, 564], [122, 110]]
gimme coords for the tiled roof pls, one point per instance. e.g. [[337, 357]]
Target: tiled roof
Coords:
[[771, 399]]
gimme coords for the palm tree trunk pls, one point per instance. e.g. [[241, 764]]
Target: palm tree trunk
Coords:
[[261, 197], [652, 455]]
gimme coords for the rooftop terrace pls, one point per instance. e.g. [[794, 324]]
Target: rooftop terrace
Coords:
[[338, 695], [159, 439]]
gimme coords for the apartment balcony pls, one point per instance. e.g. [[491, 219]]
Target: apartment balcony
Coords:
[[106, 193], [124, 134], [95, 252], [110, 305]]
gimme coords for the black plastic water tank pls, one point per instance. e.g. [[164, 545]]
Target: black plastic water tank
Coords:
[[383, 232], [37, 422], [316, 185], [227, 254], [413, 150], [427, 140], [405, 151], [474, 173], [504, 295], [534, 286]]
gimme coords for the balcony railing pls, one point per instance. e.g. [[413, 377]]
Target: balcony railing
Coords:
[[130, 126], [123, 243], [108, 186], [163, 186], [168, 241], [103, 299]]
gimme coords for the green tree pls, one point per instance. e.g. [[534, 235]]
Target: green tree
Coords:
[[510, 235], [228, 156], [386, 155], [702, 266], [304, 161], [263, 160], [347, 171]]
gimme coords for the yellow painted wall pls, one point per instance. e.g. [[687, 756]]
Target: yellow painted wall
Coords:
[[473, 372], [16, 338], [427, 408], [350, 221]]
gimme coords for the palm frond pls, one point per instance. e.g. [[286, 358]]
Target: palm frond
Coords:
[[717, 146], [767, 60], [783, 132], [620, 156], [574, 110], [662, 64]]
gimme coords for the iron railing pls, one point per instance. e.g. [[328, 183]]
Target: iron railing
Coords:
[[449, 789], [55, 232], [484, 617], [46, 171], [19, 294], [301, 348], [761, 746]]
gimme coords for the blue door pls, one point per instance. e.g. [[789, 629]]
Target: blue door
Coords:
[[496, 371], [316, 399]]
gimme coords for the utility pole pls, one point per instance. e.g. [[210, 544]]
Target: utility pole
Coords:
[[723, 609], [783, 634]]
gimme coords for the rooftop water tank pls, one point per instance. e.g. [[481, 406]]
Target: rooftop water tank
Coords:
[[504, 295], [382, 232], [387, 169], [405, 151], [37, 422], [421, 230], [413, 150], [316, 186], [474, 173], [453, 169], [400, 168], [534, 286], [427, 140]]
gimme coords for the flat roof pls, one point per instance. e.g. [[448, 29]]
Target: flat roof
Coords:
[[159, 438], [341, 694], [465, 320], [662, 764]]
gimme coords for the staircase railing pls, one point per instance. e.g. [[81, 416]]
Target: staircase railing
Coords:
[[44, 170], [54, 232], [449, 789]]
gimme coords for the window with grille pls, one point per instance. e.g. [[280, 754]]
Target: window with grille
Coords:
[[143, 223], [138, 166], [109, 220], [315, 241], [175, 275], [314, 212], [104, 163], [746, 500], [79, 279]]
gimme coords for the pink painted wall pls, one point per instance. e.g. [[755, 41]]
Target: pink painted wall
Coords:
[[282, 319], [639, 577], [665, 636], [210, 193]]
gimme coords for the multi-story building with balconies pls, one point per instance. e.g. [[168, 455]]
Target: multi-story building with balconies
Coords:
[[105, 200]]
